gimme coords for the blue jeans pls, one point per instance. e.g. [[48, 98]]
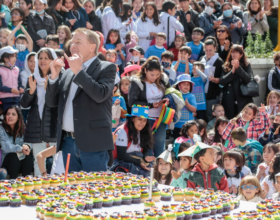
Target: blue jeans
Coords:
[[86, 161], [159, 138], [3, 173]]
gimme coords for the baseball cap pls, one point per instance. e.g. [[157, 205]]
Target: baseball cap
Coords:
[[43, 1], [7, 49], [138, 49]]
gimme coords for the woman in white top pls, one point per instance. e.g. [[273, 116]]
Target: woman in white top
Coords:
[[111, 18], [100, 9], [148, 26]]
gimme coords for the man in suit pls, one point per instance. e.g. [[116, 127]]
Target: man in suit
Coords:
[[83, 95]]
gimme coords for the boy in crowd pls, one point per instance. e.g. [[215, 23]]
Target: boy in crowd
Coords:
[[158, 48], [137, 57], [199, 79], [166, 61], [23, 43], [182, 65], [252, 149], [199, 176], [25, 5], [52, 41], [196, 45], [169, 22], [272, 133], [217, 111]]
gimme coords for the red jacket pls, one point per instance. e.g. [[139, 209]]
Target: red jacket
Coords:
[[213, 178]]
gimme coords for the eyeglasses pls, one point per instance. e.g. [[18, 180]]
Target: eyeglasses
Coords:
[[251, 187], [221, 31], [16, 14], [196, 34]]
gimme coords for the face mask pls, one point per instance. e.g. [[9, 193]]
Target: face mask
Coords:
[[209, 10], [275, 125], [40, 12], [228, 13], [135, 59], [12, 66], [165, 64], [21, 47]]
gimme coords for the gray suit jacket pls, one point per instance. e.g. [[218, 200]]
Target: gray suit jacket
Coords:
[[92, 105]]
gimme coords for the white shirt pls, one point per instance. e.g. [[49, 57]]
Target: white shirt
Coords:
[[68, 118], [122, 141], [271, 187], [153, 94], [266, 171]]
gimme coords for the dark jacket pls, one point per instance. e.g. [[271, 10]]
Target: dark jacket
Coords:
[[95, 21], [218, 11], [81, 18], [273, 29], [264, 139], [188, 27], [137, 91], [57, 18], [231, 90], [92, 105], [223, 53], [35, 23], [273, 80], [206, 23], [38, 130]]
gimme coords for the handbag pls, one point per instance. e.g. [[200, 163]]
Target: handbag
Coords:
[[251, 89]]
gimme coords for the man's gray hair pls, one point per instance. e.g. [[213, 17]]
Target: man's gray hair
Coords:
[[92, 37]]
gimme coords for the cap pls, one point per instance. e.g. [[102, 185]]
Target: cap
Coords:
[[43, 1], [166, 155], [139, 111], [188, 153], [138, 49], [7, 49], [200, 146]]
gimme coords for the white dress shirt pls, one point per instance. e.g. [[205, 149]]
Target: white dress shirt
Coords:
[[68, 118]]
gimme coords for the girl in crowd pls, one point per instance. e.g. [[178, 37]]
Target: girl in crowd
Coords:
[[223, 36], [250, 189], [64, 35], [134, 142], [11, 87], [40, 114], [148, 26], [127, 17], [137, 9], [253, 120], [202, 128], [124, 88], [272, 100], [148, 88], [256, 17], [4, 33], [94, 22], [17, 17], [215, 135], [178, 43], [77, 12], [236, 71], [163, 168], [269, 152], [16, 157]]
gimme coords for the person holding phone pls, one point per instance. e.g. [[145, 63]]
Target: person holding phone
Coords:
[[148, 89]]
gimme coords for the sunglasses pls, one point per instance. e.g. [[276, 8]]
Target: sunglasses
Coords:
[[251, 187], [221, 31]]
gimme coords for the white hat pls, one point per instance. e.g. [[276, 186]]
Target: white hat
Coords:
[[43, 1], [189, 153], [7, 49]]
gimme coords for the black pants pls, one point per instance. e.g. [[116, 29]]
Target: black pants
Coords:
[[176, 133], [14, 166], [201, 114]]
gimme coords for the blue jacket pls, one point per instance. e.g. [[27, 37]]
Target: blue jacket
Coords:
[[265, 139], [206, 23], [81, 18]]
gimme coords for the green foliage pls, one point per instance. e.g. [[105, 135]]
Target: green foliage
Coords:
[[259, 48]]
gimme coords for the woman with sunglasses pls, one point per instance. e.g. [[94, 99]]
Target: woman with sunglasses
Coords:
[[224, 41], [235, 25], [236, 71]]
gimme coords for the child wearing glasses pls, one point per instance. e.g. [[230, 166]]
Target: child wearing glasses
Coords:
[[250, 189], [196, 45]]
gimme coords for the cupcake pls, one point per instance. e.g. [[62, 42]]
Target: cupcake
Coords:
[[4, 200], [178, 194], [188, 213], [71, 179], [31, 200], [197, 212], [156, 194], [37, 183], [14, 185], [97, 201], [81, 204], [45, 182], [151, 216], [60, 214], [149, 203], [213, 209], [219, 207], [197, 193], [206, 211], [180, 214], [49, 213], [136, 197], [161, 215], [72, 216], [107, 201], [15, 201], [20, 185], [135, 184], [109, 176], [28, 185], [189, 194], [165, 195], [226, 205], [54, 182], [170, 214], [80, 178], [89, 204], [126, 198], [144, 196], [117, 200]]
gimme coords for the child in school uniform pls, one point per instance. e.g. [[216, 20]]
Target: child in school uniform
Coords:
[[182, 65], [158, 48], [166, 61]]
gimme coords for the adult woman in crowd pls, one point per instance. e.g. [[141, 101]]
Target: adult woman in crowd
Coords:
[[41, 121], [235, 25], [16, 157], [54, 10], [94, 21], [213, 68], [224, 41], [148, 25], [100, 9], [5, 9], [148, 88], [236, 71], [256, 17], [111, 17], [237, 8], [134, 142], [272, 19], [267, 5], [195, 6]]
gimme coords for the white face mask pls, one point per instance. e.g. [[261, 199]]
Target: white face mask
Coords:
[[209, 10], [21, 47]]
